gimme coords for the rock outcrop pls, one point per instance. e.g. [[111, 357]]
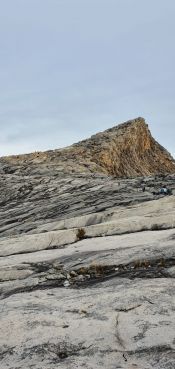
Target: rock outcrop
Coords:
[[106, 300], [87, 261], [127, 150]]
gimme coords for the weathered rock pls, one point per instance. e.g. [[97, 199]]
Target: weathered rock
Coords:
[[125, 150], [87, 261]]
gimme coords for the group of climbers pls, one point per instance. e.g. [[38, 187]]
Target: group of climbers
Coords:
[[163, 191]]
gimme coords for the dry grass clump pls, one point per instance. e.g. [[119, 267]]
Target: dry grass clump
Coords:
[[93, 269], [156, 227], [83, 271], [162, 263], [97, 269], [147, 263], [80, 234], [142, 264]]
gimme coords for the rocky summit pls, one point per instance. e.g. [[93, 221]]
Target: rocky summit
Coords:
[[87, 261], [127, 150]]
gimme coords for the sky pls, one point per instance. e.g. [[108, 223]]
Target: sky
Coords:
[[71, 68]]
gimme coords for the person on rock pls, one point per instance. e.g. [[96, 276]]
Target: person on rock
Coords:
[[165, 191]]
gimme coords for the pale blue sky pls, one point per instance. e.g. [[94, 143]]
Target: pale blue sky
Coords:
[[70, 68]]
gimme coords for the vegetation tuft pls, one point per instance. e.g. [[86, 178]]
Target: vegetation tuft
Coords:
[[81, 234], [156, 227]]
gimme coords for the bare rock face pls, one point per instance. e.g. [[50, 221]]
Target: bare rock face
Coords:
[[91, 303], [87, 261], [127, 150]]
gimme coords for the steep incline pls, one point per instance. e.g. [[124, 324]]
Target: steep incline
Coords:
[[87, 261], [127, 150]]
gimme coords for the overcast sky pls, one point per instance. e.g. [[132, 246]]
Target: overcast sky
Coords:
[[70, 68]]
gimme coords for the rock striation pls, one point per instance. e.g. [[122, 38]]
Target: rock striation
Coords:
[[127, 150], [87, 262]]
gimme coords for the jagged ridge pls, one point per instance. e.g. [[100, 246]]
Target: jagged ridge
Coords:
[[126, 150]]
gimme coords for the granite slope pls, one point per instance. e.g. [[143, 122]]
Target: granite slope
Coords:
[[126, 150], [87, 262]]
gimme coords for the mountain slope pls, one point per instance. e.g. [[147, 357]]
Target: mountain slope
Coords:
[[87, 260], [126, 150]]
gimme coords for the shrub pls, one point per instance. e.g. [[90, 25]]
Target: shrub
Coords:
[[80, 234], [97, 269], [142, 264], [156, 227]]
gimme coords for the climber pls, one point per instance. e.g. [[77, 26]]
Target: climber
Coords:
[[165, 191]]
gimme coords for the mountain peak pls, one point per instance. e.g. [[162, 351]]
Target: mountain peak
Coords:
[[125, 150], [128, 150], [131, 122]]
